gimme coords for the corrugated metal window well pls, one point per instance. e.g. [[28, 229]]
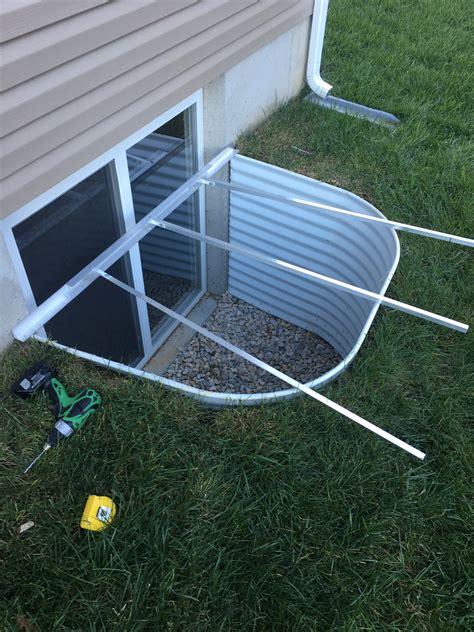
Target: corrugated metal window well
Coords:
[[309, 265]]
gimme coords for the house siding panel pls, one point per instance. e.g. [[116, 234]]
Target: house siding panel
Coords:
[[107, 107], [56, 44], [69, 120], [19, 17], [145, 51]]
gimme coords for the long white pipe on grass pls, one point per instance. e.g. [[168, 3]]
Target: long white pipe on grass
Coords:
[[266, 367], [408, 228], [304, 272]]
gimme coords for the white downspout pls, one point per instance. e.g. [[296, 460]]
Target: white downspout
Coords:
[[320, 88], [316, 42]]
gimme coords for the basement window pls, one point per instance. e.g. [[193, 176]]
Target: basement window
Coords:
[[53, 239]]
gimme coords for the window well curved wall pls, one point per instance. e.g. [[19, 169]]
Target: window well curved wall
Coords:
[[359, 253]]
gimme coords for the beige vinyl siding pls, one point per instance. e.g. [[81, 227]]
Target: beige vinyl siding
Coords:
[[56, 44], [70, 114], [76, 115], [18, 17], [32, 99]]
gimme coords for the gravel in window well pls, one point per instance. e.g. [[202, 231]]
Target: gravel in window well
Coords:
[[165, 289], [297, 352]]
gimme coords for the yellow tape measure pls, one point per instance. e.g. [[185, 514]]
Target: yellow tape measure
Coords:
[[98, 513]]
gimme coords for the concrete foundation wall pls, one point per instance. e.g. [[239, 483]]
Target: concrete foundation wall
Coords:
[[12, 303], [236, 103]]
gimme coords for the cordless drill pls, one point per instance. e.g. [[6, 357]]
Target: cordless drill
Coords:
[[70, 413]]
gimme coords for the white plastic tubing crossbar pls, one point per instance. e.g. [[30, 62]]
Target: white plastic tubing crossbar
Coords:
[[266, 367], [408, 228], [55, 303], [289, 267]]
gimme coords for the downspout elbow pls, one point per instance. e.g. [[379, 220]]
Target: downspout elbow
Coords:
[[318, 85]]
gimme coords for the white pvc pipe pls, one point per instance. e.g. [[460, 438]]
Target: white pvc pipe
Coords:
[[408, 228], [267, 367], [341, 285]]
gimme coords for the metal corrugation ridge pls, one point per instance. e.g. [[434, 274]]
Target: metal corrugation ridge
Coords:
[[362, 254], [309, 217], [316, 256], [285, 299]]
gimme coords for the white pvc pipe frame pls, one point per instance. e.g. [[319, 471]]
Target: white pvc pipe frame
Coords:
[[380, 299], [83, 279], [407, 228], [267, 367]]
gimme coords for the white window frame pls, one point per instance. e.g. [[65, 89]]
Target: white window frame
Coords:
[[121, 189]]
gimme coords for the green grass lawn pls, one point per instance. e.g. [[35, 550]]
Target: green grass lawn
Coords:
[[286, 517]]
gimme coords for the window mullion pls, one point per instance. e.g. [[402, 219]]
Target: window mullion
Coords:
[[125, 200]]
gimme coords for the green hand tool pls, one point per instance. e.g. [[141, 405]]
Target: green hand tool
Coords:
[[71, 413]]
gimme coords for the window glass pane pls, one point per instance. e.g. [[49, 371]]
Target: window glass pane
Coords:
[[158, 165], [171, 264], [57, 242]]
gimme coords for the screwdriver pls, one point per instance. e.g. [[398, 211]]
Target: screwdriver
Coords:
[[73, 411]]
